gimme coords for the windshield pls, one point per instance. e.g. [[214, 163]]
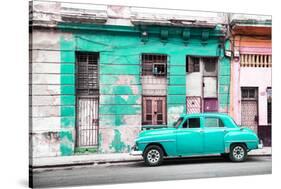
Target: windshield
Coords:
[[234, 122], [178, 122]]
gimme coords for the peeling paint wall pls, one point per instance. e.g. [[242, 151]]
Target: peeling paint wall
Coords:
[[121, 87], [52, 96], [120, 84], [44, 93]]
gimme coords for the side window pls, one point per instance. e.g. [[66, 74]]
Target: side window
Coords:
[[184, 125], [191, 123], [213, 122], [194, 123]]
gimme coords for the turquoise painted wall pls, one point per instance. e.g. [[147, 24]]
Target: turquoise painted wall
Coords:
[[120, 50]]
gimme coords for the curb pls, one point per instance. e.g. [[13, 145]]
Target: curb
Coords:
[[102, 162], [81, 164]]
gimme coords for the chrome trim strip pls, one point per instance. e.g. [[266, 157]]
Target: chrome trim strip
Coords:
[[242, 141], [157, 141]]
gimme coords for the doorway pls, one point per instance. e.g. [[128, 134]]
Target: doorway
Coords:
[[249, 107]]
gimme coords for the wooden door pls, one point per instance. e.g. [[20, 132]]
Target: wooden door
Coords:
[[154, 110]]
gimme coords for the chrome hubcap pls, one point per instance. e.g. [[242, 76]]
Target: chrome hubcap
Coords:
[[238, 152], [153, 156]]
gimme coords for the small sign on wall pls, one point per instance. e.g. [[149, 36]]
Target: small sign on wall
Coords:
[[228, 53]]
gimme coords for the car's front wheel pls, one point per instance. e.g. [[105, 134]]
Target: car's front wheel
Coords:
[[153, 155], [238, 153]]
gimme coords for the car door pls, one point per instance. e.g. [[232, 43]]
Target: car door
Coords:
[[214, 132], [190, 137]]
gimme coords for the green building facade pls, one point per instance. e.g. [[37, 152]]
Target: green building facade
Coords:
[[120, 98], [118, 94]]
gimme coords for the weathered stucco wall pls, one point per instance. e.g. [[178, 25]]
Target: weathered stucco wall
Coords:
[[53, 84], [49, 98], [248, 78]]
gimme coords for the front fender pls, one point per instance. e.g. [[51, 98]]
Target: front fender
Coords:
[[168, 144]]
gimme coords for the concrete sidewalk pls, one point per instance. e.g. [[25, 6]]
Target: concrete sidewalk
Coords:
[[107, 158]]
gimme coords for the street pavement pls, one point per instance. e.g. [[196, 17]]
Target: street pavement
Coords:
[[172, 169]]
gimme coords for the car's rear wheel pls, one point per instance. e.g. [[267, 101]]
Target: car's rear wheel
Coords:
[[238, 153], [153, 155]]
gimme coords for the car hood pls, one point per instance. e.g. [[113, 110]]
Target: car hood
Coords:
[[156, 132]]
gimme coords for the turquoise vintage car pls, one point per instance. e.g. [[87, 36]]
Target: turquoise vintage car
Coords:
[[197, 134]]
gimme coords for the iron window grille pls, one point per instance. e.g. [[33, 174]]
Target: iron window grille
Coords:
[[154, 64], [210, 65], [87, 82], [192, 64], [87, 100], [249, 93]]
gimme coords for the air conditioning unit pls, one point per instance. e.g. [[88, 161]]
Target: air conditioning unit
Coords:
[[159, 69]]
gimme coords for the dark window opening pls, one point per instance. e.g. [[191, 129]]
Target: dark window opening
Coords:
[[210, 66], [269, 105], [159, 69], [192, 64], [192, 123], [87, 73], [184, 125], [249, 93], [154, 64]]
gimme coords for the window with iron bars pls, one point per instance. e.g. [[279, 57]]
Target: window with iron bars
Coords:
[[87, 73], [192, 64], [87, 101], [154, 64], [249, 93], [256, 60]]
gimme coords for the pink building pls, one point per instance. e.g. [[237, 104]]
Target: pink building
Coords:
[[251, 73]]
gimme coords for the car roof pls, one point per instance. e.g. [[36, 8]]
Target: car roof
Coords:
[[215, 114]]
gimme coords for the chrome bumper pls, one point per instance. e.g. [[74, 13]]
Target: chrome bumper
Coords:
[[135, 152]]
